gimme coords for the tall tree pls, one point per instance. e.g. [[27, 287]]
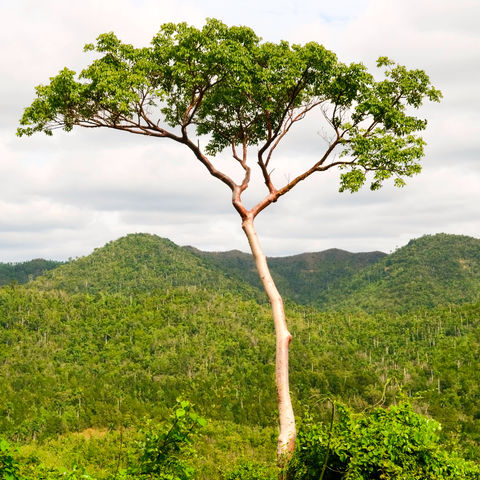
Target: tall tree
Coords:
[[225, 86]]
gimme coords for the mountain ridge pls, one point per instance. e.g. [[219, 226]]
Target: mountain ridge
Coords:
[[430, 270], [137, 263]]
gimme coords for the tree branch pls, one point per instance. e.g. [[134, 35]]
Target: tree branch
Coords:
[[317, 167], [288, 124]]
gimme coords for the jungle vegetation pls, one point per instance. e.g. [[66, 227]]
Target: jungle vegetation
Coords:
[[95, 353], [220, 89]]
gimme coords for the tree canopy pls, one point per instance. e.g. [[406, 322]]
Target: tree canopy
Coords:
[[226, 85]]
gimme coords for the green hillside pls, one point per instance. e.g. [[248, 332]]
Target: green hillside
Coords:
[[23, 272], [150, 320], [74, 362], [138, 263], [100, 343], [429, 271], [309, 276], [303, 278]]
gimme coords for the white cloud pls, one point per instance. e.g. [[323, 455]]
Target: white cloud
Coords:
[[65, 195]]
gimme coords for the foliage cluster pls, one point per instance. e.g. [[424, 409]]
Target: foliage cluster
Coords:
[[395, 443], [161, 453], [224, 84]]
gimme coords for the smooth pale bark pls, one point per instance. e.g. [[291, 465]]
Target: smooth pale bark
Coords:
[[287, 435]]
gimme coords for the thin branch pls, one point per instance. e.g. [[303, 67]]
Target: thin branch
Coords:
[[246, 178], [317, 167], [273, 135], [288, 125]]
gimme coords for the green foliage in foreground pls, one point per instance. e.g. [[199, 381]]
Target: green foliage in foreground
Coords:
[[161, 453], [395, 443], [9, 468], [219, 447]]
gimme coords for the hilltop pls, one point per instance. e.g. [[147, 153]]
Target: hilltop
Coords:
[[429, 271], [138, 263]]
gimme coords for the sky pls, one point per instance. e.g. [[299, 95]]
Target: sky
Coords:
[[63, 196]]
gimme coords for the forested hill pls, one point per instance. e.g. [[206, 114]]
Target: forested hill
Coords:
[[23, 272], [118, 335], [139, 263], [304, 278], [429, 271]]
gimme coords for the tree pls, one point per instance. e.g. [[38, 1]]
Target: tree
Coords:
[[224, 86]]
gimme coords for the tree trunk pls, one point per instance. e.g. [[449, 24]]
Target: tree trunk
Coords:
[[287, 435]]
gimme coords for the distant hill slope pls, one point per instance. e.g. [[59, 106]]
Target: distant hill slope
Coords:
[[304, 278], [138, 263], [429, 271], [23, 272]]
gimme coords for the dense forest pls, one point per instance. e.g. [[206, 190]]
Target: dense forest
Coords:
[[430, 271], [23, 272], [94, 354]]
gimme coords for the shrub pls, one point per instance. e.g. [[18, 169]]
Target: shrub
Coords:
[[394, 443]]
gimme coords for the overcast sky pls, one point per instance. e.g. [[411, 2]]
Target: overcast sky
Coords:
[[62, 196]]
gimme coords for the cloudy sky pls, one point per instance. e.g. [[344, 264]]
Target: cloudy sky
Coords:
[[62, 196]]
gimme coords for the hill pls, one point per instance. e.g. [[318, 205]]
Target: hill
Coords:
[[303, 278], [429, 271], [138, 263], [23, 272], [112, 337]]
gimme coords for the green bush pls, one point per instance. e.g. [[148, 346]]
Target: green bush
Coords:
[[161, 454], [252, 471], [164, 450], [394, 443], [9, 469]]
